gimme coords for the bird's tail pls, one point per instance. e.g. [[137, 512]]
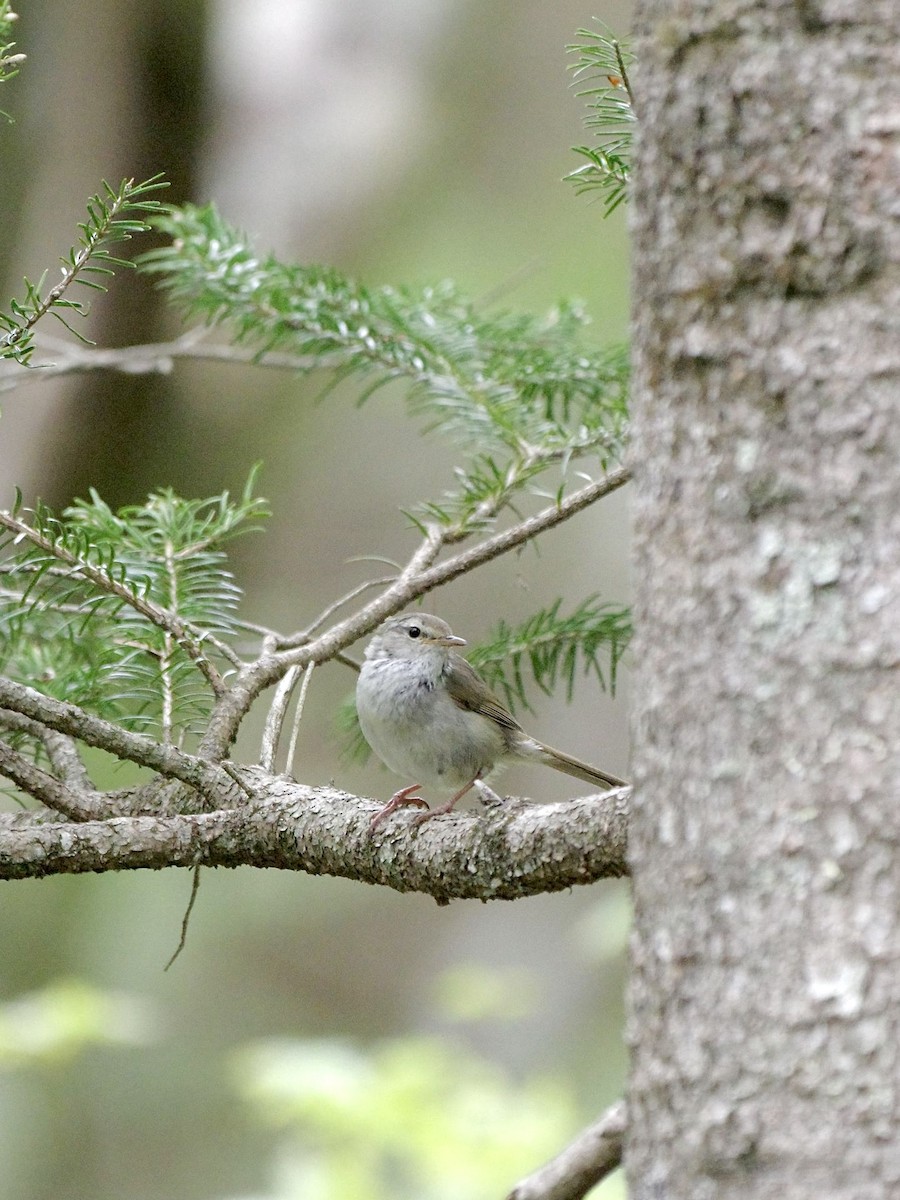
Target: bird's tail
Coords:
[[532, 748]]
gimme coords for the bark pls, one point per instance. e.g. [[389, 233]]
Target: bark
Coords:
[[765, 1002], [511, 851]]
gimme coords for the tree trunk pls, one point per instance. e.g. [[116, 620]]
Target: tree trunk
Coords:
[[765, 1003]]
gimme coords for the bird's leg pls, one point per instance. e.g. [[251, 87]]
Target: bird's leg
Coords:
[[445, 808], [398, 800]]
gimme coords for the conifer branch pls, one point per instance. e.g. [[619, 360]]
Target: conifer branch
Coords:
[[103, 581], [504, 854], [603, 64], [554, 645], [199, 773], [113, 217], [125, 613], [60, 358], [519, 393]]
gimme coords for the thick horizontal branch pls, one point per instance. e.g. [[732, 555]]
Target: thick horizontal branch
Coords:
[[517, 849]]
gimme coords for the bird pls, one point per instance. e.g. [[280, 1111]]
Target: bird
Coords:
[[428, 714]]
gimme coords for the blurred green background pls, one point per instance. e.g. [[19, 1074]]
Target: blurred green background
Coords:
[[318, 1038]]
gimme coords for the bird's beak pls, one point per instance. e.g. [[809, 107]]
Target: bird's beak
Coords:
[[450, 640]]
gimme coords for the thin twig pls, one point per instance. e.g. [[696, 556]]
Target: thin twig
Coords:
[[186, 919], [231, 770], [426, 554], [420, 577], [524, 531], [42, 605], [304, 636], [17, 568], [620, 59], [95, 235], [165, 660], [298, 716], [153, 358], [66, 761], [275, 719], [61, 750], [517, 471]]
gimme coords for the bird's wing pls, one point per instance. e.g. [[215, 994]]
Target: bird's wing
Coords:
[[467, 689]]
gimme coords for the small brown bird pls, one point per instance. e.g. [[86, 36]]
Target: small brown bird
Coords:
[[428, 714]]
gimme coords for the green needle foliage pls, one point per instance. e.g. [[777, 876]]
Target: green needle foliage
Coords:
[[519, 393], [124, 613], [114, 216], [603, 66], [131, 614], [556, 648]]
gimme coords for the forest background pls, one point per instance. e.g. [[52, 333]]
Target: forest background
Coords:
[[404, 144]]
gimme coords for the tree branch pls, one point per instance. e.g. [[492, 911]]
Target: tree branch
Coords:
[[37, 783], [70, 790], [208, 778], [154, 358], [593, 1155], [514, 850], [66, 762], [420, 576], [180, 630]]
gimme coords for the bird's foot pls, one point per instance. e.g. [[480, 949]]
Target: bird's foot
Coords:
[[434, 812], [398, 800], [444, 808]]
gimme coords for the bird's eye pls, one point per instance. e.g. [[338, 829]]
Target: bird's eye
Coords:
[[415, 631]]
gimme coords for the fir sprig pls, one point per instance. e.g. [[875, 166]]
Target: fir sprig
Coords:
[[555, 647], [602, 65], [492, 379], [114, 216], [519, 392], [127, 613]]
